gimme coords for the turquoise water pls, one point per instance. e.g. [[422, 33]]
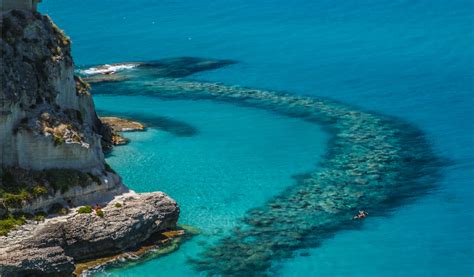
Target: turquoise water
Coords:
[[413, 60], [215, 181]]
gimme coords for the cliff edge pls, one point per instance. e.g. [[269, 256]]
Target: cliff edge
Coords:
[[52, 161]]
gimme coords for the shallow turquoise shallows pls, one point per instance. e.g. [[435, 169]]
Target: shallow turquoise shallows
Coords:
[[410, 59], [237, 159]]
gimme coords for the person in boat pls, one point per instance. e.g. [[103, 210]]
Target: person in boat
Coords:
[[361, 215]]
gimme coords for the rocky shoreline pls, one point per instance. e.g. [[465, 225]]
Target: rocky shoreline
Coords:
[[55, 245], [60, 202], [156, 246]]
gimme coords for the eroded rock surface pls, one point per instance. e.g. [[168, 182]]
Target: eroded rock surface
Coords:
[[51, 149], [122, 125], [52, 247], [47, 117]]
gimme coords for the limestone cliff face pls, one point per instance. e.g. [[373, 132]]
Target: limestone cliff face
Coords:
[[47, 117], [52, 161], [51, 248]]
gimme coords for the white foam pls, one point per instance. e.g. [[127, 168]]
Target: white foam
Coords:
[[108, 69]]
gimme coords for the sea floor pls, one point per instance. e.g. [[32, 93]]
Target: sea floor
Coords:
[[237, 158]]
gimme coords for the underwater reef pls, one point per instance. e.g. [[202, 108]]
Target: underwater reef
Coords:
[[374, 163]]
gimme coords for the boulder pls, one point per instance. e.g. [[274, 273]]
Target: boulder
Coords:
[[54, 246]]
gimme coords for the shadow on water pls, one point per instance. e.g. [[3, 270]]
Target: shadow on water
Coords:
[[164, 68], [374, 163], [184, 66]]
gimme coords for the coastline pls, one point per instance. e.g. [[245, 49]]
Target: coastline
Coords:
[[157, 246], [60, 202], [59, 243]]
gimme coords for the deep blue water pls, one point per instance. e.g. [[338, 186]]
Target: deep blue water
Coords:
[[409, 59]]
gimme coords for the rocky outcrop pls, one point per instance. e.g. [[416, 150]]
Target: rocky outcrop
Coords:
[[46, 119], [47, 115], [118, 125], [51, 150], [52, 247], [122, 125]]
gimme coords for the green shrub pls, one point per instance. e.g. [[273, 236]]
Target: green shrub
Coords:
[[118, 205], [11, 200], [85, 210], [15, 200], [58, 140], [10, 223], [99, 213], [39, 190], [40, 216], [63, 211]]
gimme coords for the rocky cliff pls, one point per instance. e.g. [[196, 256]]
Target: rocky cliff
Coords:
[[51, 160], [47, 116], [51, 248], [47, 119]]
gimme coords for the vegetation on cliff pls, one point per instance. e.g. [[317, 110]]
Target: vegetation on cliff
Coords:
[[20, 186], [51, 150]]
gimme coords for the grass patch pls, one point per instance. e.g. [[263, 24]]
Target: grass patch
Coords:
[[99, 213], [15, 200], [118, 205], [40, 217], [85, 210], [10, 223], [58, 139], [20, 186], [39, 190]]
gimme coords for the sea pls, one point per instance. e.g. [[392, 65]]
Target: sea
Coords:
[[409, 60]]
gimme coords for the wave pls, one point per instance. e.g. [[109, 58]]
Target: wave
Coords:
[[108, 68]]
